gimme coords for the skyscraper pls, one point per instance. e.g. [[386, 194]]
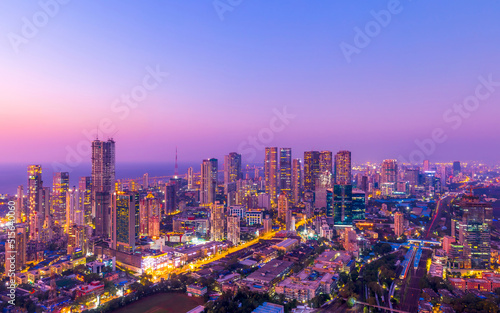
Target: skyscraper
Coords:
[[311, 169], [342, 204], [35, 205], [477, 219], [20, 213], [325, 162], [297, 180], [74, 209], [343, 168], [358, 204], [149, 208], [170, 198], [125, 220], [216, 222], [389, 171], [208, 187], [85, 188], [233, 229], [282, 207], [190, 178], [286, 172], [271, 173], [457, 169], [103, 184], [232, 169], [60, 187]]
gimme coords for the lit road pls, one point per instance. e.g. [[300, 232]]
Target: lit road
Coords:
[[439, 210]]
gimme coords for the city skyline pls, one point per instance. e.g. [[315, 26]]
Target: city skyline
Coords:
[[334, 102]]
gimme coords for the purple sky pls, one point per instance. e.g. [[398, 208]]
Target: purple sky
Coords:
[[225, 78]]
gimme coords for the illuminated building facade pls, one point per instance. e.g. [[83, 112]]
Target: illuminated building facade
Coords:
[[311, 169], [125, 220], [389, 172], [232, 169], [35, 202], [271, 173], [325, 166], [208, 187], [399, 224], [74, 208], [103, 184], [296, 180], [233, 229], [149, 210], [286, 172], [85, 188], [217, 222], [282, 207], [342, 205], [475, 237], [343, 168], [60, 188]]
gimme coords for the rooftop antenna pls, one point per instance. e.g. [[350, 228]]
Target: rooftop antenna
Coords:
[[176, 171]]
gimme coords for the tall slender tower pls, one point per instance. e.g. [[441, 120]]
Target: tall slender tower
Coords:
[[103, 184], [286, 172], [190, 178], [60, 188], [216, 222], [232, 169], [176, 171], [271, 173], [297, 180], [311, 169], [208, 187], [35, 202], [343, 168], [85, 188], [233, 229]]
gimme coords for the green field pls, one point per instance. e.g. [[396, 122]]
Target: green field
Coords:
[[163, 303]]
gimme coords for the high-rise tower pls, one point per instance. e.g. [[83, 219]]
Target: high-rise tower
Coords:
[[271, 173], [286, 172], [343, 168], [103, 184], [208, 187]]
